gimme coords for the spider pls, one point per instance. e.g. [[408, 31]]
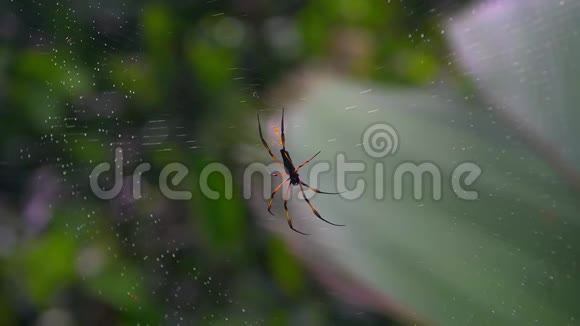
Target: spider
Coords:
[[293, 177]]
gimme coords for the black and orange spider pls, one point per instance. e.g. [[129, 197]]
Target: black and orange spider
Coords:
[[293, 177]]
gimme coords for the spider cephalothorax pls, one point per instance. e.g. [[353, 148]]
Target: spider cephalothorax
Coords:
[[293, 176]]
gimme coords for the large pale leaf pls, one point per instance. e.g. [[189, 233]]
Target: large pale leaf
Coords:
[[523, 55], [508, 257]]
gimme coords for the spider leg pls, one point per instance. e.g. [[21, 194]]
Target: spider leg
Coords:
[[308, 161], [266, 144], [273, 194], [314, 210], [276, 174], [318, 191], [288, 213], [282, 136]]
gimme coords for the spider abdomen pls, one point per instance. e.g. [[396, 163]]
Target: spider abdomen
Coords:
[[289, 167]]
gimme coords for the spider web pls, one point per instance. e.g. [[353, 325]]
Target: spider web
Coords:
[[92, 62]]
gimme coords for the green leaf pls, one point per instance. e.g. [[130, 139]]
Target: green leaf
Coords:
[[47, 266], [523, 55], [506, 258]]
